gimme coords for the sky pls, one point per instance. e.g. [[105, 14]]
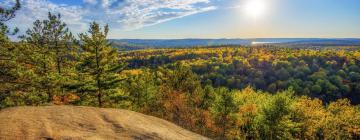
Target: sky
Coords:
[[174, 19]]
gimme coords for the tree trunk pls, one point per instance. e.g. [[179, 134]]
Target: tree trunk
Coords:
[[99, 99], [98, 74], [58, 61], [49, 95]]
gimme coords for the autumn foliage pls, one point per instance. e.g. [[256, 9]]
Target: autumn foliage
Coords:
[[223, 92]]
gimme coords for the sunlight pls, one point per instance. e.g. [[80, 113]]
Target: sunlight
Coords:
[[255, 8]]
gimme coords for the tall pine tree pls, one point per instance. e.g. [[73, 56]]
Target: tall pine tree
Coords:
[[223, 109], [52, 51], [6, 47], [99, 65], [61, 43], [9, 78]]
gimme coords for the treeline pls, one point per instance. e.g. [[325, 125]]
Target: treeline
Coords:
[[50, 66], [327, 74]]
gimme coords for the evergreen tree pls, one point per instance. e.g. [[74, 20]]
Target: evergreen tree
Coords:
[[58, 38], [6, 47], [99, 64], [61, 44], [9, 77], [41, 57], [275, 121], [143, 90], [223, 109], [52, 53], [7, 14], [208, 97]]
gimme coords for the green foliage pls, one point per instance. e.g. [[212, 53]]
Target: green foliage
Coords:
[[99, 66], [326, 73], [51, 56], [13, 71], [143, 91], [275, 121], [223, 109], [208, 97], [316, 89]]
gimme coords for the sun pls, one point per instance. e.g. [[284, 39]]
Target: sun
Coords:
[[255, 8]]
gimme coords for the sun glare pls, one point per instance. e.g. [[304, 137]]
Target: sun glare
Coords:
[[255, 8]]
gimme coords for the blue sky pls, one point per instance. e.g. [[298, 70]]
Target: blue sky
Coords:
[[150, 19]]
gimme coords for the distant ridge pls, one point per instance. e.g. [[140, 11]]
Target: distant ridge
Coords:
[[156, 43], [129, 44]]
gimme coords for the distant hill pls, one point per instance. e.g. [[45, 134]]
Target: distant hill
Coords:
[[72, 122], [325, 42], [174, 43], [133, 44]]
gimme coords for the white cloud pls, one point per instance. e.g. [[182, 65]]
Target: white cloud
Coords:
[[124, 14], [38, 9], [139, 13]]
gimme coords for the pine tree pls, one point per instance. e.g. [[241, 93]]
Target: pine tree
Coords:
[[41, 57], [223, 109], [51, 52], [6, 47], [142, 89], [99, 64], [61, 43], [275, 121], [57, 31], [7, 14], [8, 55]]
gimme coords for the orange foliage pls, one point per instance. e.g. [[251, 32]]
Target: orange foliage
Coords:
[[65, 100]]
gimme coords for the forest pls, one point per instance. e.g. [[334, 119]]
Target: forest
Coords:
[[325, 73], [222, 92]]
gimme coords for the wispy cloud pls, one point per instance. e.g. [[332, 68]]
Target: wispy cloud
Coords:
[[38, 9], [120, 14], [139, 13]]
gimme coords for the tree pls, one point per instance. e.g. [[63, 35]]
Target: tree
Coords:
[[59, 39], [316, 89], [10, 80], [309, 114], [208, 97], [223, 110], [100, 63], [61, 44], [42, 57], [7, 14], [6, 48], [283, 74], [181, 95], [343, 121], [143, 91], [354, 76], [250, 103], [275, 122]]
